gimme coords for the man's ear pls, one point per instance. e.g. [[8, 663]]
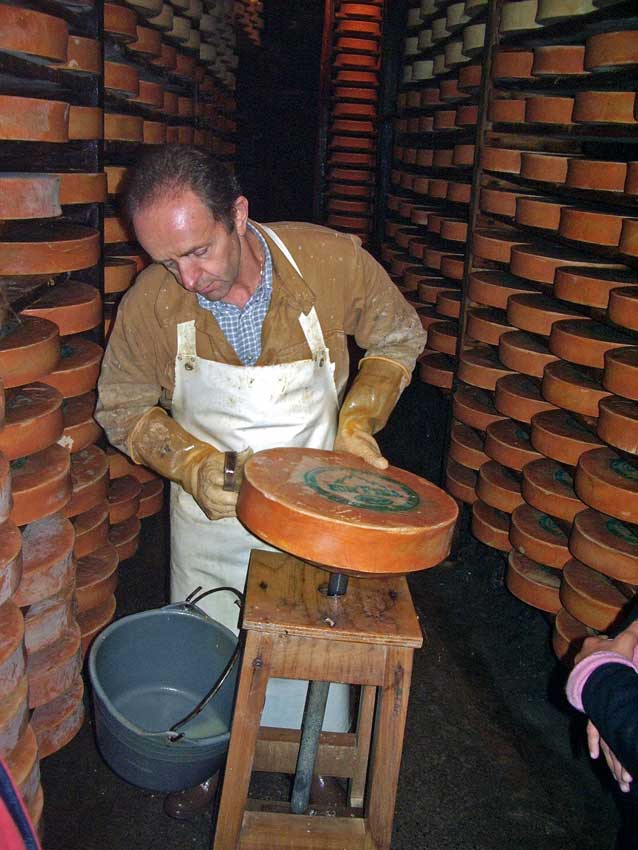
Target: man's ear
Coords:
[[240, 214]]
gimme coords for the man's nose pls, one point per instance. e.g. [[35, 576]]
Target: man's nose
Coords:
[[189, 274]]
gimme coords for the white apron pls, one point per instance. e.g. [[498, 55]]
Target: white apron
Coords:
[[234, 408]]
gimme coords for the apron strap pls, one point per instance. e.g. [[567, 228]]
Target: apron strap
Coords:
[[279, 243], [186, 339], [311, 328]]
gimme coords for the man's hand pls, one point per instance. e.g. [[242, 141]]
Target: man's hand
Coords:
[[209, 492], [595, 744], [361, 444]]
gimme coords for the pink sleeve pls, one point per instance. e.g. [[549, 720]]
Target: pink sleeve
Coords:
[[583, 670]]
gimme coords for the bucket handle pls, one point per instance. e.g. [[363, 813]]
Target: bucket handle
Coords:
[[173, 734]]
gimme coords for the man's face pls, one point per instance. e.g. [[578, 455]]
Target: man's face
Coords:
[[182, 234]]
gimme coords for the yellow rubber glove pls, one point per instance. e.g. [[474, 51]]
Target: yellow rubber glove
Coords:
[[160, 443], [367, 408]]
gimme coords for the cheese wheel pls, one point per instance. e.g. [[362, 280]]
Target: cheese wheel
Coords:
[[573, 387], [151, 498], [47, 559], [89, 478], [119, 274], [96, 577], [73, 306], [606, 544], [35, 247], [28, 351], [611, 51], [512, 64], [449, 91], [525, 353], [623, 307], [121, 78], [184, 64], [617, 423], [559, 60], [29, 195], [519, 396], [596, 174], [116, 229], [448, 303], [501, 160], [621, 372], [78, 369], [442, 337], [591, 597], [436, 369], [544, 167], [591, 227], [34, 34], [540, 262], [151, 94], [474, 407], [538, 212], [120, 23], [466, 446], [609, 483], [549, 109], [125, 537], [519, 16], [494, 288], [605, 107], [123, 498], [81, 188], [549, 487], [80, 428], [163, 20], [506, 110], [363, 11], [454, 229], [430, 287], [297, 484], [560, 436], [508, 443], [10, 559], [495, 244], [490, 526], [484, 324], [94, 620], [123, 128], [12, 654], [56, 723], [24, 766], [460, 482], [30, 119], [568, 635], [499, 202], [427, 315], [53, 669], [591, 287], [470, 75], [480, 367], [14, 717], [83, 55], [499, 487], [33, 420], [91, 530], [538, 536], [533, 583], [585, 341], [46, 621], [86, 122], [358, 27], [631, 184], [537, 312], [628, 244]]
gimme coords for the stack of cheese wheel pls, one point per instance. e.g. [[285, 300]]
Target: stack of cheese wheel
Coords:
[[352, 132], [426, 227], [150, 496], [549, 360]]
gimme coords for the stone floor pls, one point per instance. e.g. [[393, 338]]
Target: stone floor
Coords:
[[493, 759]]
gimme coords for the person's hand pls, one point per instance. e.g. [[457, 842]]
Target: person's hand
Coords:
[[209, 492], [361, 444], [625, 644], [595, 744]]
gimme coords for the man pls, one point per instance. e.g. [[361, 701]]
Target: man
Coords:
[[242, 329]]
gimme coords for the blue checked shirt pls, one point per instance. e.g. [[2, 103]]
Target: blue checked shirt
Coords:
[[242, 325]]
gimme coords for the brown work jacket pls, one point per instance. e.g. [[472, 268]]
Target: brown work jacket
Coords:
[[351, 292]]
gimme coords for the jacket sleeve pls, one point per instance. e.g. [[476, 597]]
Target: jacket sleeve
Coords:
[[610, 699], [129, 381], [382, 321]]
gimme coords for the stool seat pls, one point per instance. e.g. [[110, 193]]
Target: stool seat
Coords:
[[294, 631]]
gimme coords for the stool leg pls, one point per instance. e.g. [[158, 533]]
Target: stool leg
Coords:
[[388, 744], [357, 787], [249, 703]]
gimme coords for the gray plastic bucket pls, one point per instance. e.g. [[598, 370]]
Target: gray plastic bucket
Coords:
[[148, 671]]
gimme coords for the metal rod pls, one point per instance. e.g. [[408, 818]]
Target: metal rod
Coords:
[[337, 584], [310, 731]]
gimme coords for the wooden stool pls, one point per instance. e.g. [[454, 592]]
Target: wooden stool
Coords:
[[294, 631]]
